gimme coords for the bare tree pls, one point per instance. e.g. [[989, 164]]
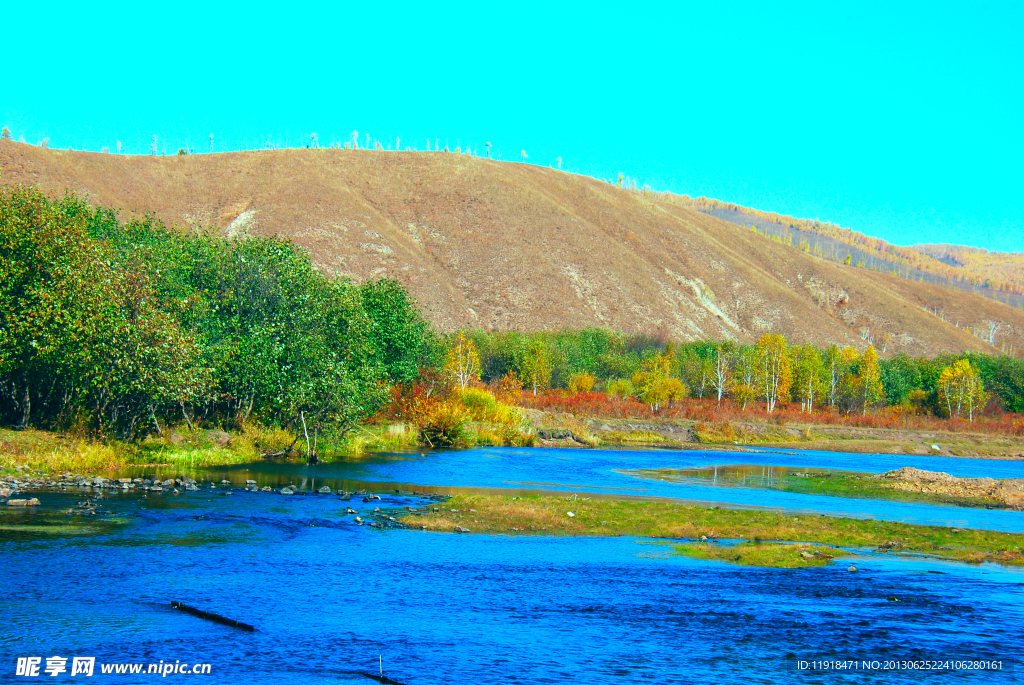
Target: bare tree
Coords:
[[488, 150], [211, 143], [355, 139], [524, 155], [559, 163], [993, 328]]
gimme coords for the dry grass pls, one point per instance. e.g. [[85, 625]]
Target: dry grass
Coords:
[[457, 230]]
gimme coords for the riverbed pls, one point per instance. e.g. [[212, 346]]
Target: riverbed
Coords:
[[332, 600]]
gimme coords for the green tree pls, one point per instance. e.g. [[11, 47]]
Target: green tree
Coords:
[[808, 376], [535, 367], [401, 338]]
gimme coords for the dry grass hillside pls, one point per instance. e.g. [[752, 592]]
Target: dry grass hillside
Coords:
[[512, 246]]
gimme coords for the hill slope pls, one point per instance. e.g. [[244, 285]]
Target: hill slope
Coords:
[[513, 246]]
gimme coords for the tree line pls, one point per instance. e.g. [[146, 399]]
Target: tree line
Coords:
[[658, 371], [120, 328]]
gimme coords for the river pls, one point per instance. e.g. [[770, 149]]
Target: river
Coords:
[[331, 600]]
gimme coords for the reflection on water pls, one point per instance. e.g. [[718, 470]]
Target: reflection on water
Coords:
[[738, 475]]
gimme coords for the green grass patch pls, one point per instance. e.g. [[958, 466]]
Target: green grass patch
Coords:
[[762, 554], [547, 515]]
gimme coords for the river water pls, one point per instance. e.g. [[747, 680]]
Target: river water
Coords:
[[331, 600]]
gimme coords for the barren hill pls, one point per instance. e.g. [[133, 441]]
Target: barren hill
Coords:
[[513, 246]]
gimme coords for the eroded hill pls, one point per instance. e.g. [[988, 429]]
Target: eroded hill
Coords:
[[512, 246]]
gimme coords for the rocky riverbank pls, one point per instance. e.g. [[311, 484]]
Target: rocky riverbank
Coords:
[[15, 488]]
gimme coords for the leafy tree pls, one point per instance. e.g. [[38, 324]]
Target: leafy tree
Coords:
[[402, 339], [868, 381], [463, 362], [772, 373], [697, 371], [961, 389], [833, 369], [721, 373], [809, 376], [535, 367]]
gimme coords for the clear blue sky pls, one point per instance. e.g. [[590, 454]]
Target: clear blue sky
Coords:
[[901, 121]]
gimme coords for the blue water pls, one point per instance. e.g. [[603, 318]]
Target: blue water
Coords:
[[600, 472], [329, 598]]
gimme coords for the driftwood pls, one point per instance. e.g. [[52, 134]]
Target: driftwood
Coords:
[[216, 618]]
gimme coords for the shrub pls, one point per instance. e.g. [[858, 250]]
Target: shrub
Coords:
[[445, 426]]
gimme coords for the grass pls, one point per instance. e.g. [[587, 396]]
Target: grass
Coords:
[[816, 482], [53, 452], [763, 554], [592, 517], [636, 437]]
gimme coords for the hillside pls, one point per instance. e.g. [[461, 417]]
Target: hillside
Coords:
[[512, 246], [998, 275]]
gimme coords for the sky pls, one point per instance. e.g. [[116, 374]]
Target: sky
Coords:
[[900, 120]]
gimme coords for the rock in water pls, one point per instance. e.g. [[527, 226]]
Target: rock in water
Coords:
[[287, 491], [34, 502], [460, 529], [324, 490], [852, 569]]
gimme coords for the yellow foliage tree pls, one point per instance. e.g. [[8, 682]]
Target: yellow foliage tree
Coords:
[[868, 382], [463, 363], [653, 381], [773, 374], [961, 389], [536, 365]]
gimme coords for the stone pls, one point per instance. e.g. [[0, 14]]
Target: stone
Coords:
[[225, 482], [265, 488], [460, 529], [250, 482], [218, 438], [4, 492], [376, 510], [570, 514], [350, 510], [324, 490], [358, 520], [851, 569], [169, 483], [347, 497], [34, 502], [287, 491]]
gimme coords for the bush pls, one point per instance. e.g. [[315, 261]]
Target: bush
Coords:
[[445, 426]]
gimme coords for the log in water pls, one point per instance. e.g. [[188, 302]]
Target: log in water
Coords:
[[216, 618]]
